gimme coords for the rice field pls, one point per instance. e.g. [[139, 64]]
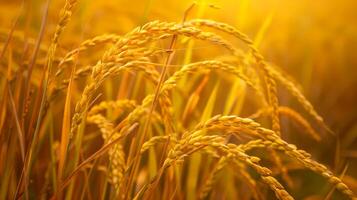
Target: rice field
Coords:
[[153, 99]]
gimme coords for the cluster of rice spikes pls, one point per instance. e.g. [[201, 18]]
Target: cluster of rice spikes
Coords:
[[137, 51], [130, 52]]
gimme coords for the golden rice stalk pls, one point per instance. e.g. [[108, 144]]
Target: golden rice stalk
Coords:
[[223, 162], [157, 30], [122, 50], [209, 64], [195, 141], [116, 154], [147, 67], [233, 124], [269, 77], [65, 14], [171, 83], [269, 144], [97, 77], [117, 164], [290, 86], [284, 77], [98, 40], [294, 116], [112, 105], [154, 140], [129, 60], [264, 172], [208, 185]]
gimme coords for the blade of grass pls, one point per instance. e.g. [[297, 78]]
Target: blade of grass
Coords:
[[239, 86], [64, 19], [33, 59], [235, 99], [18, 126], [65, 132], [242, 12], [329, 194], [9, 37], [52, 152], [193, 99], [195, 160], [263, 29], [95, 155], [148, 120], [153, 105], [7, 168]]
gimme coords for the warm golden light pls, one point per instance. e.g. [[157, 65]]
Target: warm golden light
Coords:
[[153, 99]]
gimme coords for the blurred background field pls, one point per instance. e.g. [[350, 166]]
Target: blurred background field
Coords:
[[315, 42]]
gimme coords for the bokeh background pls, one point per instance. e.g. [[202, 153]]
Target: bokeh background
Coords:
[[313, 41]]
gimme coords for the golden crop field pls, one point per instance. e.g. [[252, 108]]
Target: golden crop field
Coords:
[[154, 99]]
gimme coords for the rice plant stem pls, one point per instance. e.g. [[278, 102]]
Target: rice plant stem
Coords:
[[148, 120]]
